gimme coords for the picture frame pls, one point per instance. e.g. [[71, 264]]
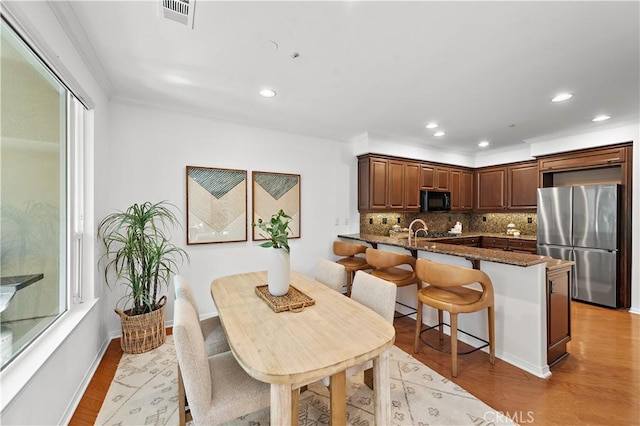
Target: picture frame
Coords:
[[216, 205], [272, 192]]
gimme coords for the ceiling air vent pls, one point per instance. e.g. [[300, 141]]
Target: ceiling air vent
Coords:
[[179, 10]]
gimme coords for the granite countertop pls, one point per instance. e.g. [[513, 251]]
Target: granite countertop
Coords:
[[553, 264], [470, 253]]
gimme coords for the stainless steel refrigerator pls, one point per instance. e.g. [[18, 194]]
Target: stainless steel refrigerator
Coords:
[[580, 223]]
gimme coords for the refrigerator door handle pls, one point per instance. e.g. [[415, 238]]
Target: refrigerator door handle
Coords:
[[574, 276]]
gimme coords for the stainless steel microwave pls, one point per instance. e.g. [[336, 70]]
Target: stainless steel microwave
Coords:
[[435, 201]]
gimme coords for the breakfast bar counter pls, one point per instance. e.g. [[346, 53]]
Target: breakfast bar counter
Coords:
[[470, 253], [522, 313]]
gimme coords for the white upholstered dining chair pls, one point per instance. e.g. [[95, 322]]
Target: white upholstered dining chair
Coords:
[[380, 296], [219, 389], [215, 341], [330, 274]]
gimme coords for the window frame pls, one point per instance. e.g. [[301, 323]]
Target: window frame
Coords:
[[80, 297]]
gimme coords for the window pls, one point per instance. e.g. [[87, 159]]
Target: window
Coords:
[[40, 188]]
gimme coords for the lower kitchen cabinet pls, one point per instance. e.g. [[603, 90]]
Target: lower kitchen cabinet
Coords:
[[558, 313], [523, 246], [462, 241], [495, 243]]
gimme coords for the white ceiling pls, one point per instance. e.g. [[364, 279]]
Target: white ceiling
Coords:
[[483, 70]]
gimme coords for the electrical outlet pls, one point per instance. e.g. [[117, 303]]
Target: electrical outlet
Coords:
[[529, 220], [370, 221], [384, 220], [484, 218]]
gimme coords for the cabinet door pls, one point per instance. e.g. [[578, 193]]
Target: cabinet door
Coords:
[[466, 190], [523, 246], [522, 187], [583, 159], [412, 186], [442, 178], [378, 188], [455, 189], [495, 243], [396, 184], [490, 189], [427, 176], [558, 314], [461, 189]]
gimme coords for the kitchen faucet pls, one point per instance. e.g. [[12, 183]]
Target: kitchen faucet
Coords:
[[424, 228]]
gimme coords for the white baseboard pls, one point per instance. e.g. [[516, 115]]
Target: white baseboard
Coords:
[[73, 405]]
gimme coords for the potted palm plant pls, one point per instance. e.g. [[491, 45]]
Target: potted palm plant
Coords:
[[139, 256], [276, 231]]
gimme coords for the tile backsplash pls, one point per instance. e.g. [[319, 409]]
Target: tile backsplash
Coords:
[[373, 223]]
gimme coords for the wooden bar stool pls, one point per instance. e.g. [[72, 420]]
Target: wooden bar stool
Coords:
[[386, 266], [445, 291], [351, 261]]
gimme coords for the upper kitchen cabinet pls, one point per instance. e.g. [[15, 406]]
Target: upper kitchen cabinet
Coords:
[[583, 159], [386, 183], [509, 187], [461, 190], [491, 189], [434, 177], [522, 186], [412, 186]]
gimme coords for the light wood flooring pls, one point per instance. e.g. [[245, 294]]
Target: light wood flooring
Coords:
[[598, 384]]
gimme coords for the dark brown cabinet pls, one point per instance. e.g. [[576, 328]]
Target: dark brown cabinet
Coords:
[[461, 190], [387, 184], [462, 241], [395, 191], [510, 244], [512, 187], [558, 313], [412, 186], [495, 243], [491, 185], [372, 184], [522, 186], [434, 177], [583, 159], [523, 246]]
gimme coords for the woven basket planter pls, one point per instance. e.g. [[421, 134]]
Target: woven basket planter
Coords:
[[141, 333]]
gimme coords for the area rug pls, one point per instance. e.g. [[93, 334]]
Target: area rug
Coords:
[[144, 391]]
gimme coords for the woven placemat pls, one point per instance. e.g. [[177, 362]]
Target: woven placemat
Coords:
[[294, 300]]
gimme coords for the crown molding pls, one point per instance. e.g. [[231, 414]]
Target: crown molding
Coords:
[[73, 27]]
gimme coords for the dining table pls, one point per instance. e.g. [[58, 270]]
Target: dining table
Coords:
[[294, 348]]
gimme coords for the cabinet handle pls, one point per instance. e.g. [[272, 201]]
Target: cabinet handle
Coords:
[[552, 284]]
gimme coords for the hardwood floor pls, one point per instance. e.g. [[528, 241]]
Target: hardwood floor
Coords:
[[598, 384]]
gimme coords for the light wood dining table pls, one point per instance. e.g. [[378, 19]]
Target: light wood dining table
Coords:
[[292, 349]]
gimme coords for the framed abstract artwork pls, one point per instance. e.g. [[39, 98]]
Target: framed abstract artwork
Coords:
[[216, 205], [272, 192]]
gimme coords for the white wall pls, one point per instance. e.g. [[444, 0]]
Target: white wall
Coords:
[[44, 383], [151, 147]]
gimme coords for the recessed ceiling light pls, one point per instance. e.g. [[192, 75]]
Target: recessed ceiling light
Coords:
[[601, 118], [483, 144], [431, 125], [440, 133], [561, 97], [267, 93]]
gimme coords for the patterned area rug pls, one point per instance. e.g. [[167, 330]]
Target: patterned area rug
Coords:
[[144, 392]]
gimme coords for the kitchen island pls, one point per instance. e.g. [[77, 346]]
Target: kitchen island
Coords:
[[521, 292]]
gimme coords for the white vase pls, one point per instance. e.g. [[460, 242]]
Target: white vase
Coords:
[[279, 272]]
